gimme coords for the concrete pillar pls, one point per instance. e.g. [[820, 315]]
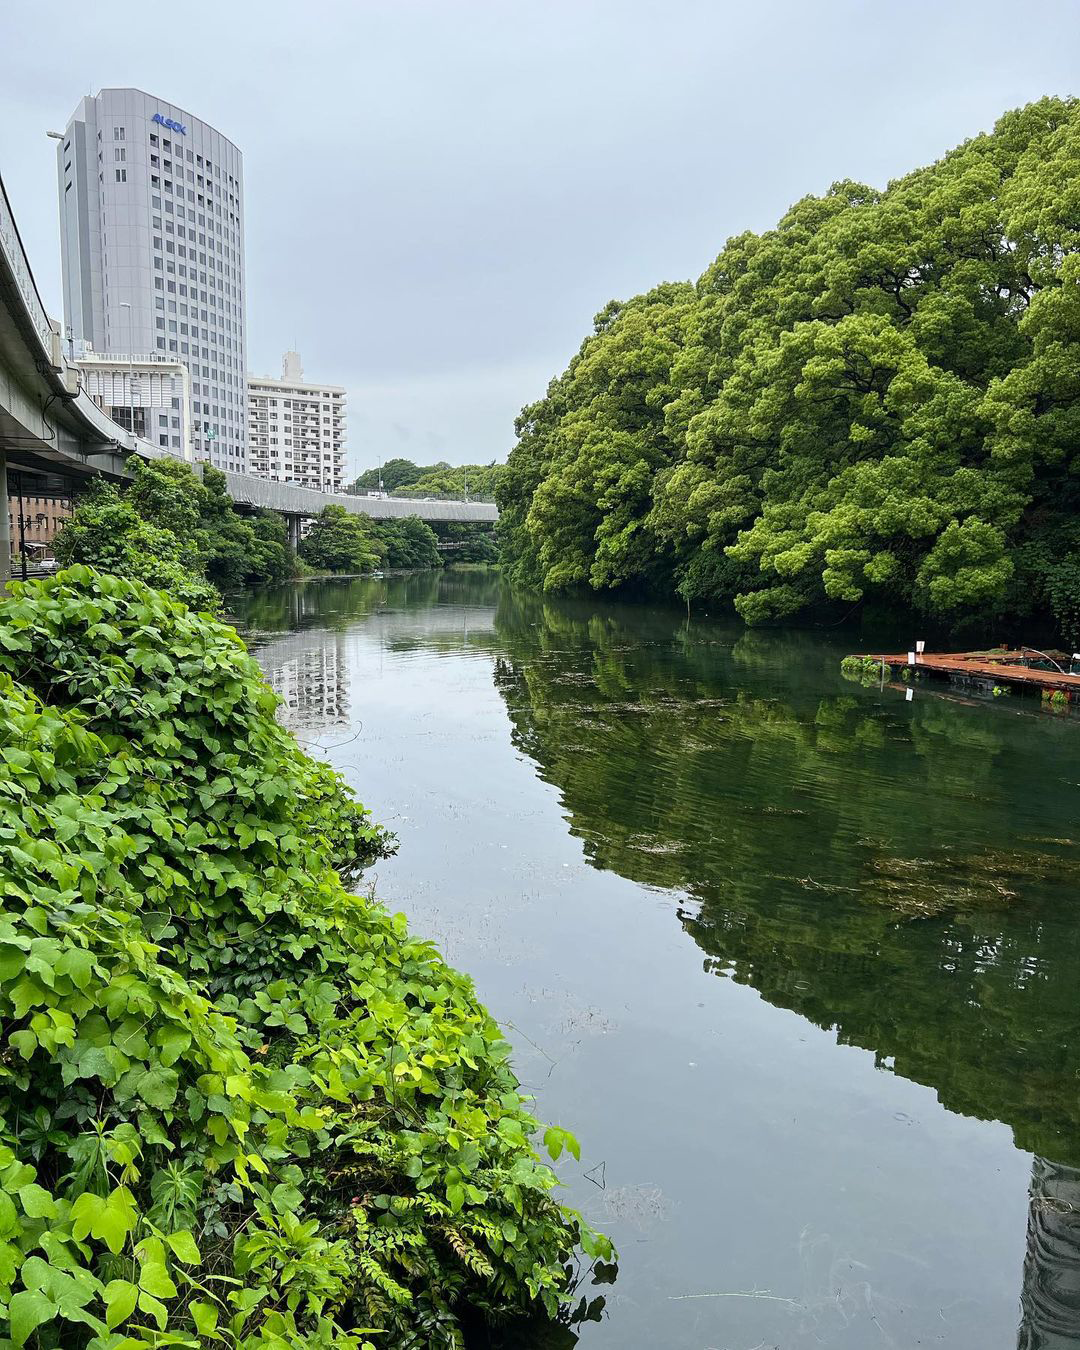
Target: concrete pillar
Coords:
[[5, 527], [294, 530]]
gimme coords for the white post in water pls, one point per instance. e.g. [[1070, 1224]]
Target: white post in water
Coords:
[[5, 526]]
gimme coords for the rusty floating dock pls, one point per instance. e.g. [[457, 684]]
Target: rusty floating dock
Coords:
[[1022, 668]]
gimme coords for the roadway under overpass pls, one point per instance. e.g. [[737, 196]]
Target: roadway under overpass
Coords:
[[50, 425]]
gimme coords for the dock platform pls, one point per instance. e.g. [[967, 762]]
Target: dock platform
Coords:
[[1022, 668]]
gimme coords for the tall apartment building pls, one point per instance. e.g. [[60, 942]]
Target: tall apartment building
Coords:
[[152, 241], [296, 429]]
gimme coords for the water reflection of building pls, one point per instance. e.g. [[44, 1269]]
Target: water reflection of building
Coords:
[[1050, 1295], [311, 678]]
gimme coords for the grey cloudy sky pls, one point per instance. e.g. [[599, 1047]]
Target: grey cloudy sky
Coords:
[[441, 193]]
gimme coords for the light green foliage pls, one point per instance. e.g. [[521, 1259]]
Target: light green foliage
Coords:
[[864, 669], [339, 541], [878, 398], [406, 479], [440, 480], [239, 1106]]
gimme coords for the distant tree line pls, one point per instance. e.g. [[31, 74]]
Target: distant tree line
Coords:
[[877, 400], [405, 479], [338, 541], [182, 534]]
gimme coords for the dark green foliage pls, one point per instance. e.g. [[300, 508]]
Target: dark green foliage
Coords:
[[473, 543], [394, 474], [410, 542], [240, 550], [879, 398], [107, 532], [339, 541], [178, 533], [239, 1106]]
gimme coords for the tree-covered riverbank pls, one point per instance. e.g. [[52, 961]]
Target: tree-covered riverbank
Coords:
[[173, 530], [239, 1105], [879, 399]]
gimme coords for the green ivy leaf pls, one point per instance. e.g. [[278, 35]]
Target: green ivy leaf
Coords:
[[37, 1203], [27, 1311], [158, 1087], [183, 1246], [205, 1317], [9, 1219], [120, 1299]]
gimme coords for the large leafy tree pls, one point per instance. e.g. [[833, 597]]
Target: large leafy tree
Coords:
[[878, 398], [340, 542], [177, 532]]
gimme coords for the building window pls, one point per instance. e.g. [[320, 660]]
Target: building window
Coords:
[[121, 175], [118, 133], [120, 153]]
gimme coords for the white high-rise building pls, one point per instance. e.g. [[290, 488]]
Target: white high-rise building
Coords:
[[296, 428], [151, 227]]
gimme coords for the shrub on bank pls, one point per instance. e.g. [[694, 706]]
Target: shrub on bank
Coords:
[[239, 1106]]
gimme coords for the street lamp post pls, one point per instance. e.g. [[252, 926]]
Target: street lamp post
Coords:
[[22, 527]]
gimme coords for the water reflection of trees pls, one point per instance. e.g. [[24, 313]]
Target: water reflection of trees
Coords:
[[904, 875], [851, 858]]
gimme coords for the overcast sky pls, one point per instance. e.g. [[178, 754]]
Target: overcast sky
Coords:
[[442, 193]]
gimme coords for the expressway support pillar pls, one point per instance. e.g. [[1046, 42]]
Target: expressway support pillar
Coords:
[[5, 526], [293, 523]]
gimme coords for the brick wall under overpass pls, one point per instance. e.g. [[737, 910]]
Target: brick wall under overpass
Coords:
[[298, 501]]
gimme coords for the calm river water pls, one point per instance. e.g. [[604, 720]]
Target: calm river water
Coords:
[[797, 959]]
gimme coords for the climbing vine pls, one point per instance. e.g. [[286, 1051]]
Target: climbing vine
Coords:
[[240, 1106]]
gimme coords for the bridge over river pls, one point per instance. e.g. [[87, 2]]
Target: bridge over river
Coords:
[[50, 425]]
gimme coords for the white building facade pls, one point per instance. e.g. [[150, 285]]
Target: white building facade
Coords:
[[152, 242], [147, 393], [296, 429]]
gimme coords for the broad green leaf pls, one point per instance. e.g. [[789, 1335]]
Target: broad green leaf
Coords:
[[205, 1317], [37, 1203], [183, 1246], [27, 1311], [120, 1299]]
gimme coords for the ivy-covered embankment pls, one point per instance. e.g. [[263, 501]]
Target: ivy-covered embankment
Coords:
[[240, 1106]]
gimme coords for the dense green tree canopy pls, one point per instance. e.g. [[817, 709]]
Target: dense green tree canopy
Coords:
[[476, 481], [176, 532], [406, 479], [410, 542], [392, 474], [878, 398], [340, 542]]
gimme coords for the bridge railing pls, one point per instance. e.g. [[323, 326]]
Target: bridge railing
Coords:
[[19, 265]]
